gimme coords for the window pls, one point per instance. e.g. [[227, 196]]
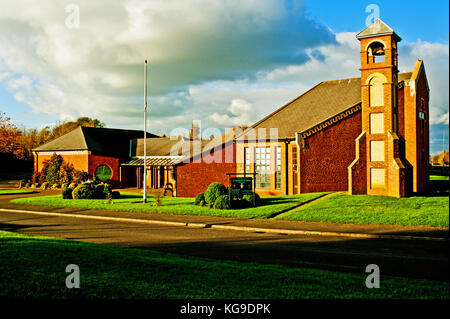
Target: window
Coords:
[[376, 151], [376, 123], [246, 160], [377, 177], [278, 167], [422, 115], [103, 172], [262, 167], [376, 92]]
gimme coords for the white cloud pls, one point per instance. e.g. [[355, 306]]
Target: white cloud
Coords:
[[439, 118], [241, 111], [98, 68], [212, 64]]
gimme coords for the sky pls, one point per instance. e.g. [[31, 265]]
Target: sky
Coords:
[[223, 62]]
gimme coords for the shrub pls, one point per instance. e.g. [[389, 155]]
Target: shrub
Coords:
[[202, 203], [222, 202], [27, 185], [249, 199], [64, 185], [199, 198], [158, 201], [67, 193], [81, 177], [115, 194], [45, 185], [214, 191], [73, 185], [107, 189], [83, 191], [51, 169], [35, 185], [55, 186], [99, 192], [66, 173], [35, 177]]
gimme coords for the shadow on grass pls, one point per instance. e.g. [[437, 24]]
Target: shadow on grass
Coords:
[[171, 270], [15, 227]]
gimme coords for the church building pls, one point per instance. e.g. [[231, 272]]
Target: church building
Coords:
[[366, 135]]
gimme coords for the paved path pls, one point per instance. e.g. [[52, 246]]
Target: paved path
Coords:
[[419, 259]]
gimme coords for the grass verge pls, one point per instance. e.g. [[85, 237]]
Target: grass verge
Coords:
[[438, 178], [34, 267], [366, 209], [15, 191], [173, 205]]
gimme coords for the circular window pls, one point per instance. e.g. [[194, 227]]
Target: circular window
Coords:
[[103, 172]]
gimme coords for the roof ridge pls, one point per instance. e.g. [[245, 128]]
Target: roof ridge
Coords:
[[84, 137], [61, 136]]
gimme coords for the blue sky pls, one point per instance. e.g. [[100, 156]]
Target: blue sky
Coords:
[[427, 20], [230, 63]]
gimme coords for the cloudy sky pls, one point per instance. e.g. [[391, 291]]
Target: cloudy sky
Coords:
[[224, 62]]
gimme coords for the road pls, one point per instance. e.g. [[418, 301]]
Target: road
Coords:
[[402, 258]]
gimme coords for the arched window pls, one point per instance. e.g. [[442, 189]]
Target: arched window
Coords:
[[376, 92], [375, 53]]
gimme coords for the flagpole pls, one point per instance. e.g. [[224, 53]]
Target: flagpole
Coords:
[[145, 133]]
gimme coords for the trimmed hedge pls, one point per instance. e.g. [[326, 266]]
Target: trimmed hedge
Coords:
[[67, 193], [249, 199], [214, 191], [83, 191], [73, 185], [199, 198], [222, 202]]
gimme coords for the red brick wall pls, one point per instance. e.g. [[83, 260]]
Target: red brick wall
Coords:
[[112, 162], [194, 178], [423, 147], [325, 159], [358, 170], [86, 163]]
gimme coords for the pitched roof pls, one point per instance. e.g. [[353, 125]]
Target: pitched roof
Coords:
[[377, 28], [165, 146], [316, 105], [104, 141]]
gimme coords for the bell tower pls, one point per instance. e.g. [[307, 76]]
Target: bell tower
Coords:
[[382, 168]]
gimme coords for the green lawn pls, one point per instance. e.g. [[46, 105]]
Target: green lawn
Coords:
[[438, 178], [173, 205], [34, 267], [365, 209], [15, 191]]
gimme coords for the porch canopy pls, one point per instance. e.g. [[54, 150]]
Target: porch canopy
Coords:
[[154, 161]]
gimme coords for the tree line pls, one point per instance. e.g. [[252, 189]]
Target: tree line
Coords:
[[17, 144], [440, 159]]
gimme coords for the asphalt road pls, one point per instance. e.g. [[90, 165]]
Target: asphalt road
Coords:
[[402, 258]]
